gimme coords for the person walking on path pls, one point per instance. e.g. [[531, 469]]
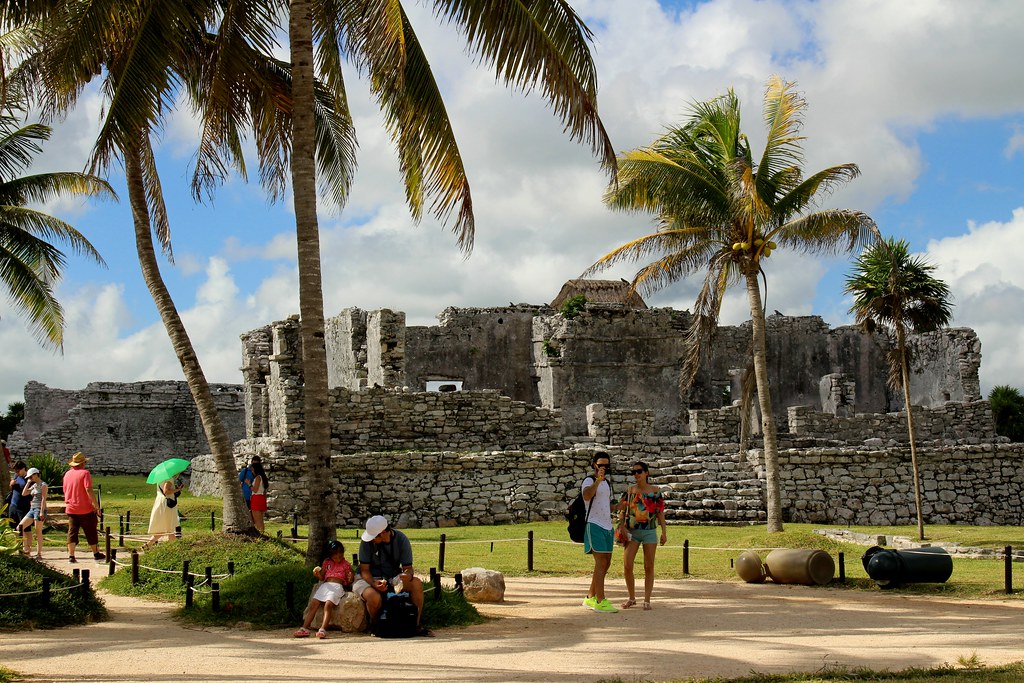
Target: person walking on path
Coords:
[[36, 489], [641, 512], [163, 518], [81, 507], [597, 539]]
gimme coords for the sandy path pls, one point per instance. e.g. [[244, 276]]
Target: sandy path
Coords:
[[543, 634]]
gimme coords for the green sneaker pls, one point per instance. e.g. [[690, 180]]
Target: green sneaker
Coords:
[[605, 606], [590, 603]]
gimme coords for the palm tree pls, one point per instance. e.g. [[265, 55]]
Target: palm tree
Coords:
[[1007, 411], [896, 292], [30, 265], [541, 43], [149, 55], [718, 211]]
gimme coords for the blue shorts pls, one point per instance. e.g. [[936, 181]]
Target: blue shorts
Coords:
[[644, 536], [35, 514], [597, 539]]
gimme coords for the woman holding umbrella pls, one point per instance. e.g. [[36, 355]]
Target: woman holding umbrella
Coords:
[[163, 519]]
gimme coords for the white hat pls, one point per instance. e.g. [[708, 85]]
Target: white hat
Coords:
[[374, 526], [31, 471]]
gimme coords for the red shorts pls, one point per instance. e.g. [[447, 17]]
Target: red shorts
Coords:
[[258, 503]]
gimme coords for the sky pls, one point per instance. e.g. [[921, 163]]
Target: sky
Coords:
[[925, 96]]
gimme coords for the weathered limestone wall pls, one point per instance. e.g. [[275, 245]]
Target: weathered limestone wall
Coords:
[[944, 367], [345, 339], [124, 428], [971, 422], [485, 348], [964, 484]]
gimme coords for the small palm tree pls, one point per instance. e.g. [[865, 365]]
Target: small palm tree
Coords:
[[30, 265], [896, 292], [721, 212]]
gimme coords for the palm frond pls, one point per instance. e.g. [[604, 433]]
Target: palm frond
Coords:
[[827, 232], [39, 229], [782, 151]]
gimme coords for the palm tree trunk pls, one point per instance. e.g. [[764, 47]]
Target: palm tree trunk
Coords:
[[322, 503], [764, 399], [905, 377], [236, 517]]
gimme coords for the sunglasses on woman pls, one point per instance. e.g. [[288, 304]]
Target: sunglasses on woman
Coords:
[[639, 472]]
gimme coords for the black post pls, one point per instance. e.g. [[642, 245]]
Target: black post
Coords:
[[686, 556], [111, 566], [529, 550], [188, 592], [458, 583], [213, 520], [99, 499], [440, 554], [76, 574], [128, 520], [289, 596], [46, 591], [437, 586], [231, 567], [184, 571], [355, 563], [295, 526], [120, 534], [842, 567], [108, 541], [100, 521], [209, 575], [216, 597], [177, 532], [280, 535], [85, 582], [135, 567], [1008, 568]]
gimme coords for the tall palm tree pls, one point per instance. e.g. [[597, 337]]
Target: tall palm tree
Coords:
[[535, 43], [721, 212], [149, 53], [897, 293]]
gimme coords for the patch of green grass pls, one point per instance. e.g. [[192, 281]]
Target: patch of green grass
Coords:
[[21, 575], [7, 675], [1010, 673]]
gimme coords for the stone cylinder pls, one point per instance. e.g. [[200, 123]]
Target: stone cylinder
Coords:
[[800, 566]]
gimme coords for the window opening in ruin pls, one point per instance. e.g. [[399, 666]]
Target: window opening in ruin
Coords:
[[444, 385]]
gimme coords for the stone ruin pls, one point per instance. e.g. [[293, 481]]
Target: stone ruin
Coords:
[[492, 415]]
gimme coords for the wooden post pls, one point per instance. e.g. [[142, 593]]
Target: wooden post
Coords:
[[184, 571], [842, 567], [85, 582], [120, 534], [295, 526], [1008, 568], [440, 554], [46, 591], [686, 556], [188, 592], [177, 532], [135, 567], [107, 540], [529, 550], [231, 567], [458, 584], [213, 520]]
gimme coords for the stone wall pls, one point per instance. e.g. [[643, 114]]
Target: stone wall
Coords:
[[970, 422], [123, 428], [944, 367]]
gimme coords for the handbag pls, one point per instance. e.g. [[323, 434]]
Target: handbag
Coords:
[[622, 535], [171, 502]]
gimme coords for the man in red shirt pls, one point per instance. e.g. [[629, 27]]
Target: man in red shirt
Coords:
[[80, 506]]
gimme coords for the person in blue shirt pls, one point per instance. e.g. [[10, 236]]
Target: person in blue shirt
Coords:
[[19, 503], [245, 478]]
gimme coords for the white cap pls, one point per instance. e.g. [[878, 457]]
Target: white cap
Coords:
[[374, 525], [31, 471]]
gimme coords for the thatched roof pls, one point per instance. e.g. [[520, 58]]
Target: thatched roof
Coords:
[[600, 292]]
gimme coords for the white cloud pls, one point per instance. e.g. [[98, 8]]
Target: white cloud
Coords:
[[1015, 144], [988, 289]]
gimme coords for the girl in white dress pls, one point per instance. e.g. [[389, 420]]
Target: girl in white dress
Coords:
[[163, 519]]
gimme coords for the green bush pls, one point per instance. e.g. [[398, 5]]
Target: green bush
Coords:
[[20, 575], [1008, 412], [573, 306], [51, 468]]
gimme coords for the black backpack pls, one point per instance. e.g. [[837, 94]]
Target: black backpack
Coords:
[[397, 618], [577, 515]]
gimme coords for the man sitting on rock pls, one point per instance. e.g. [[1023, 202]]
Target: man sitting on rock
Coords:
[[385, 564]]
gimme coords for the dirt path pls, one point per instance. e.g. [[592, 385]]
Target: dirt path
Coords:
[[542, 633]]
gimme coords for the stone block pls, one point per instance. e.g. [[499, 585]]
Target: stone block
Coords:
[[349, 616], [483, 585]]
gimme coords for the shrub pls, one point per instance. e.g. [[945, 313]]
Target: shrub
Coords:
[[19, 575], [51, 468], [1008, 412], [573, 306]]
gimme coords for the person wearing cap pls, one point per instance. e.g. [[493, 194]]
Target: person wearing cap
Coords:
[[36, 488], [385, 561], [81, 507]]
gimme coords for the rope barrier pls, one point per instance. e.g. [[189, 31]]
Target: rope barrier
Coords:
[[40, 592]]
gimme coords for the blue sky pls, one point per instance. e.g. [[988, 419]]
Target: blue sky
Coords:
[[925, 95]]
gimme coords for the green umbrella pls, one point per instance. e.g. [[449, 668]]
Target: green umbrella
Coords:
[[167, 469]]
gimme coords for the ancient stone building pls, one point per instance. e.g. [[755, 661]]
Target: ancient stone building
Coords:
[[122, 427]]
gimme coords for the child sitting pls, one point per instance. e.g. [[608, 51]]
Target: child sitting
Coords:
[[335, 573]]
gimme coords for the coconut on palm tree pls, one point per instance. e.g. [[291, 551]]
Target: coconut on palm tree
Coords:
[[721, 212], [896, 292]]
